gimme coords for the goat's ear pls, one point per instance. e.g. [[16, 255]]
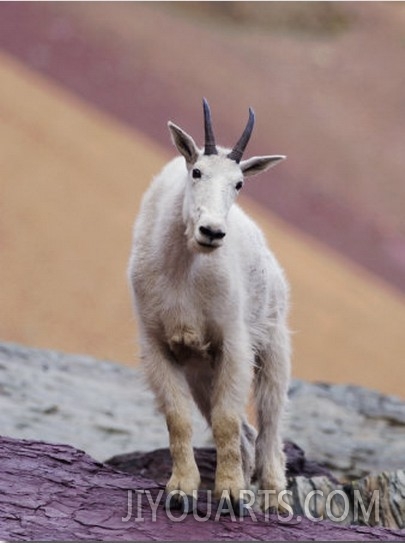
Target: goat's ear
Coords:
[[184, 143], [257, 164]]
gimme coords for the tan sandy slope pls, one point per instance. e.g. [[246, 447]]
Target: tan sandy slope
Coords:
[[70, 183]]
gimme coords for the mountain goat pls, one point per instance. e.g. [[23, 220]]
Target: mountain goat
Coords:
[[212, 305]]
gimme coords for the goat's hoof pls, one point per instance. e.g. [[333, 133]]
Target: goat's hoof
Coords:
[[189, 504], [181, 502], [272, 510], [279, 510], [239, 508], [234, 507]]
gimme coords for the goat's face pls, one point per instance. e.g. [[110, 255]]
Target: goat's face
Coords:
[[215, 177], [212, 186]]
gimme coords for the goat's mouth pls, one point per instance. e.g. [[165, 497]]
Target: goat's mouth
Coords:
[[202, 242], [206, 247]]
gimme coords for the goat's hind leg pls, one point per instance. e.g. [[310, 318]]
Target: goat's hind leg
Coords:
[[247, 444], [174, 400], [271, 388]]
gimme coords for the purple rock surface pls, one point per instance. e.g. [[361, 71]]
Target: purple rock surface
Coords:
[[56, 492]]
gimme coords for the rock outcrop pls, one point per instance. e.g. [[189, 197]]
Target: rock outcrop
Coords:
[[353, 438], [376, 500], [56, 492], [106, 409], [350, 429], [95, 405]]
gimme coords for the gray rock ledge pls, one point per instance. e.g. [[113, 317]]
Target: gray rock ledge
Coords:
[[106, 409]]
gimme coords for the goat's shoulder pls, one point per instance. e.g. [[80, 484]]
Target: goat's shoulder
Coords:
[[259, 267], [160, 203], [249, 239], [165, 185]]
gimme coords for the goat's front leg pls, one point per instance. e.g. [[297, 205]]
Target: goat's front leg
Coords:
[[230, 395], [271, 387], [174, 400], [185, 475]]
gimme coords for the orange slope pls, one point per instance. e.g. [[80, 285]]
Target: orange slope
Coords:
[[71, 180]]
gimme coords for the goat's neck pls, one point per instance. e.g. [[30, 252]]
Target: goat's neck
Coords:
[[177, 256]]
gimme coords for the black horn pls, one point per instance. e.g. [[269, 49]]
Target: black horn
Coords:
[[239, 149], [210, 147]]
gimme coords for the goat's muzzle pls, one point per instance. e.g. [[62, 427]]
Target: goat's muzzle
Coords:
[[211, 234], [209, 237]]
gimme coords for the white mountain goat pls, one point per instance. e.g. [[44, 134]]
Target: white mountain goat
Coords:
[[212, 303]]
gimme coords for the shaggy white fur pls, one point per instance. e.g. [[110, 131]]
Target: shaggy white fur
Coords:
[[212, 305]]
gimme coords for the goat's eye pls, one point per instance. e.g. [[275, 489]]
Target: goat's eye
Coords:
[[239, 185], [196, 173]]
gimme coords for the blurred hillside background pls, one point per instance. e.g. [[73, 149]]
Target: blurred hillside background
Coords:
[[86, 90]]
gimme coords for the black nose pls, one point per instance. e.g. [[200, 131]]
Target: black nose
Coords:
[[212, 234]]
